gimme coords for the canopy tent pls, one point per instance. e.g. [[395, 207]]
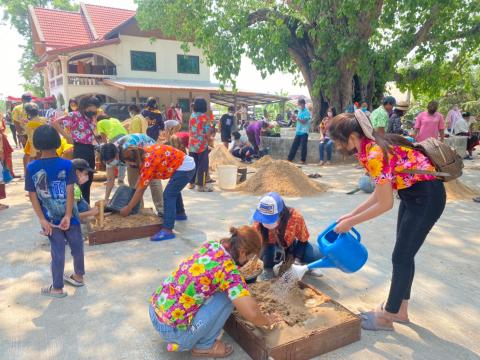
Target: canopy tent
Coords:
[[249, 99], [48, 99]]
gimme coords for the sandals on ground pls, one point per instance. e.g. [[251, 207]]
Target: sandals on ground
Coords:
[[72, 281], [369, 322], [217, 351], [47, 291], [395, 317]]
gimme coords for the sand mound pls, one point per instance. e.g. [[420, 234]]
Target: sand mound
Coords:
[[267, 159], [282, 177], [456, 190], [221, 156]]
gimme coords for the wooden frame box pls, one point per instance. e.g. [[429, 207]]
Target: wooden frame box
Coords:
[[122, 234], [315, 344]]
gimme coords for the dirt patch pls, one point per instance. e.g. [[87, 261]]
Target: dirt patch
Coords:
[[475, 167], [267, 159], [116, 221], [221, 156], [303, 311], [282, 177], [457, 190]]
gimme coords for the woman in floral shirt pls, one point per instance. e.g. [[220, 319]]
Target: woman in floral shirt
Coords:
[[199, 132], [161, 162], [392, 164], [284, 235], [79, 129], [192, 305]]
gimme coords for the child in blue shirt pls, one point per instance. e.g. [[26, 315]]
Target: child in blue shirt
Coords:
[[49, 182]]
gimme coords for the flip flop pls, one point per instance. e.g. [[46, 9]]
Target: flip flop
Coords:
[[3, 207], [395, 317], [217, 351], [369, 323], [162, 235], [70, 280], [47, 291]]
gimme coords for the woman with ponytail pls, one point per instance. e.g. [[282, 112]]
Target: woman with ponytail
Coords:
[[192, 305], [393, 164]]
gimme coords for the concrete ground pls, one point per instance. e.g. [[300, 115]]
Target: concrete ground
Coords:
[[108, 319]]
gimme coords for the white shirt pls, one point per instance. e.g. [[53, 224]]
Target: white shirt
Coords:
[[461, 126], [188, 164]]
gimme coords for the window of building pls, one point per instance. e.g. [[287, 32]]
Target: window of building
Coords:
[[187, 64], [143, 61], [184, 104]]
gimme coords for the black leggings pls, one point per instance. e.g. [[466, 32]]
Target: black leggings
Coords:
[[86, 152], [421, 206]]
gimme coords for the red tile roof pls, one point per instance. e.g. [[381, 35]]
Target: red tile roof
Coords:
[[63, 29], [105, 19]]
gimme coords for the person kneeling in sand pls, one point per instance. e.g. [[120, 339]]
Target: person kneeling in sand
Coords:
[[112, 154], [192, 305], [284, 235]]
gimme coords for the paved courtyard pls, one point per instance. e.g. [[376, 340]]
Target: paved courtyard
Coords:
[[108, 319]]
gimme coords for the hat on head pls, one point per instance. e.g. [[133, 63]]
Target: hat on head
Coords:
[[269, 208], [169, 124], [365, 123], [82, 165], [402, 105]]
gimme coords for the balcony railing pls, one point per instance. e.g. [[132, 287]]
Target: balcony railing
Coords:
[[86, 79], [93, 70]]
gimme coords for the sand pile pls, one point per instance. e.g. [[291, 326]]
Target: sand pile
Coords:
[[221, 156], [282, 177], [456, 190], [267, 159]]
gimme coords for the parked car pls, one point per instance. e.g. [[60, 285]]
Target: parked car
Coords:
[[117, 110]]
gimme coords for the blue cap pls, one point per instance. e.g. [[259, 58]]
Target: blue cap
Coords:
[[269, 208]]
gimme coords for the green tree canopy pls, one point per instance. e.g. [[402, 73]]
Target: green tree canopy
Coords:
[[16, 13], [342, 48]]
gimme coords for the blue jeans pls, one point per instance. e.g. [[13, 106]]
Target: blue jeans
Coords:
[[58, 240], [328, 145], [172, 197], [205, 327], [306, 252]]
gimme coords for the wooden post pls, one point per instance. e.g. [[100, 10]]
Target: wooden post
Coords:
[[137, 97], [101, 213]]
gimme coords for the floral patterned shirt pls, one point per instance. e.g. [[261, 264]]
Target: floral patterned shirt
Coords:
[[160, 162], [208, 270], [199, 128], [81, 128], [400, 159], [296, 230]]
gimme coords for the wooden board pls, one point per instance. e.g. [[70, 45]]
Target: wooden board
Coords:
[[122, 234], [315, 344]]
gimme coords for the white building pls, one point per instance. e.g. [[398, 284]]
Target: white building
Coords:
[[102, 51]]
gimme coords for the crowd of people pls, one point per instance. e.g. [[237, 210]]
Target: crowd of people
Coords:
[[190, 307]]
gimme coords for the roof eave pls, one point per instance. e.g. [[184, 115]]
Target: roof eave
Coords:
[[84, 10]]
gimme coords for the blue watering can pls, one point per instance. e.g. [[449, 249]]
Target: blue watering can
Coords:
[[341, 251]]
